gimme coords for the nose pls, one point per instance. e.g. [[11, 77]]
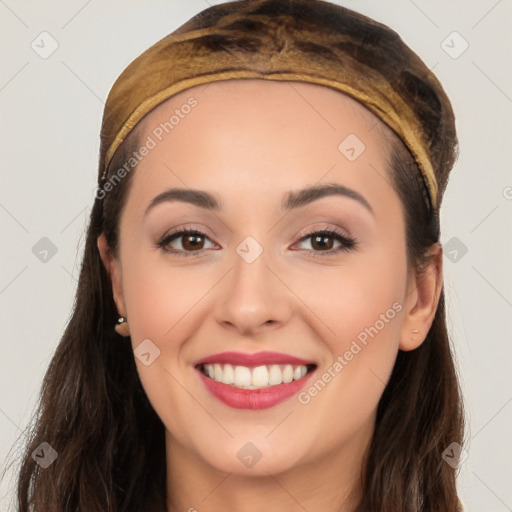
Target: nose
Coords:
[[253, 297]]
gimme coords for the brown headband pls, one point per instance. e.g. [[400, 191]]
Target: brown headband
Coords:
[[293, 40]]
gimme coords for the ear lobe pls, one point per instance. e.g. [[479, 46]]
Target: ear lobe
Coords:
[[113, 267], [422, 300]]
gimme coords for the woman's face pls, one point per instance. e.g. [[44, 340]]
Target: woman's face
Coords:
[[262, 284]]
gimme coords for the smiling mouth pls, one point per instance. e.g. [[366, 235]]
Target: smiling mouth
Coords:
[[255, 377]]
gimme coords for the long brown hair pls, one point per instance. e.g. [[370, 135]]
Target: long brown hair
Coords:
[[93, 411]]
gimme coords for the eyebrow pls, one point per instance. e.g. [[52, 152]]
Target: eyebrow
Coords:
[[292, 200]]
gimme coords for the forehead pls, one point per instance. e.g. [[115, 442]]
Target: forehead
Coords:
[[288, 98], [243, 133]]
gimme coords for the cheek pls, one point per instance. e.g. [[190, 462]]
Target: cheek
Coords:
[[163, 305], [159, 297], [362, 305], [362, 310], [367, 289]]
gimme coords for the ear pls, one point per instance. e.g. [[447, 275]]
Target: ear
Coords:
[[424, 291], [113, 267]]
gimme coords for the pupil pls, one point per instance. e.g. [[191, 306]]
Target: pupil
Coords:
[[195, 240], [318, 239]]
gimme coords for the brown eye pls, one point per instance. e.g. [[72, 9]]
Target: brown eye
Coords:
[[321, 242], [192, 242], [185, 242]]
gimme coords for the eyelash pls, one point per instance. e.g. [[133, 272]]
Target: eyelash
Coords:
[[347, 243]]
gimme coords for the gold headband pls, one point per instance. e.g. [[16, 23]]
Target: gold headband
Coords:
[[294, 40]]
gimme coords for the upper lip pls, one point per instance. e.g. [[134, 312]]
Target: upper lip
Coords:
[[256, 359]]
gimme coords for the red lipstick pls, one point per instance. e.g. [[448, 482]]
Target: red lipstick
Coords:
[[256, 359], [255, 399]]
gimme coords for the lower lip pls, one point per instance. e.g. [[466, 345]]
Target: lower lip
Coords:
[[255, 399]]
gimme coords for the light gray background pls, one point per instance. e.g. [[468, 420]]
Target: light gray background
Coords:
[[50, 120]]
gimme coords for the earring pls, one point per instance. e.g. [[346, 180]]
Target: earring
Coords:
[[122, 327], [414, 331]]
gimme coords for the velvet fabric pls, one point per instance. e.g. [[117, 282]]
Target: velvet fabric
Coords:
[[294, 40]]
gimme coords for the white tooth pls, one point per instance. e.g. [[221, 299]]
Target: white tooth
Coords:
[[217, 369], [287, 373], [242, 376], [228, 375], [259, 376], [275, 375], [254, 378]]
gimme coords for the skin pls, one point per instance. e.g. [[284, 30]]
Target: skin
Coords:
[[250, 142]]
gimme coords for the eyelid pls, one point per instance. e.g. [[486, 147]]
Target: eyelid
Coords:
[[189, 228], [322, 228]]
